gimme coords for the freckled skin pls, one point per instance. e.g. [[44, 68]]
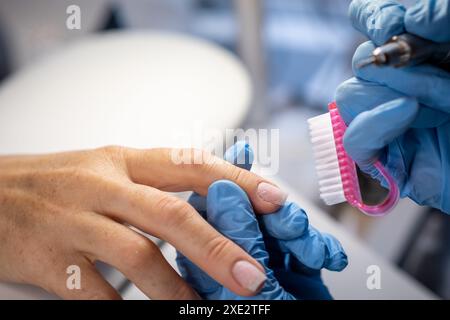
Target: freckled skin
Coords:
[[74, 208], [39, 196]]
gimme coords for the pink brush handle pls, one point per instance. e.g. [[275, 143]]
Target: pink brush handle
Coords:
[[349, 176], [391, 199]]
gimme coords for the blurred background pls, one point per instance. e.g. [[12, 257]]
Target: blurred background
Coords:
[[296, 52]]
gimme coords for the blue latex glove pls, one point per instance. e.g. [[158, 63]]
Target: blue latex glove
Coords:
[[291, 251], [401, 115]]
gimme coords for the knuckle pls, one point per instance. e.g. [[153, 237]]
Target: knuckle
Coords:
[[168, 203], [238, 174], [113, 154], [197, 161], [134, 195], [208, 161], [208, 157], [173, 211], [218, 168], [88, 179], [217, 248], [111, 149]]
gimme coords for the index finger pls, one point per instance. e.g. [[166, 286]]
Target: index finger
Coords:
[[379, 20], [425, 82], [197, 170], [430, 20]]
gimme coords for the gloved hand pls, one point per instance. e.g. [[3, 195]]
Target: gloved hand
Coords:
[[291, 251], [401, 115]]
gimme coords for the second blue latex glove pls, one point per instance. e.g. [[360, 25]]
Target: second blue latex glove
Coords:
[[291, 251], [401, 115]]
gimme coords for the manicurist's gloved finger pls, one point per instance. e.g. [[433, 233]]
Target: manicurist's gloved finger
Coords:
[[198, 202], [289, 227], [240, 154], [316, 250], [429, 19], [428, 84], [288, 223], [379, 20], [355, 96], [371, 131]]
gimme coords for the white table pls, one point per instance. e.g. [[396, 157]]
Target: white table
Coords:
[[135, 89]]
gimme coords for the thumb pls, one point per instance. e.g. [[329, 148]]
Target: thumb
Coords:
[[373, 130], [429, 19]]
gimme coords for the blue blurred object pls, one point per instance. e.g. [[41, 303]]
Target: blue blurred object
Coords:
[[306, 45], [401, 115], [291, 251]]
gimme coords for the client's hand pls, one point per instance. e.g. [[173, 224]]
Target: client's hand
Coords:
[[74, 208]]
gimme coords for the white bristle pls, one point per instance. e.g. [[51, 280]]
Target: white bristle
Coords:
[[327, 165]]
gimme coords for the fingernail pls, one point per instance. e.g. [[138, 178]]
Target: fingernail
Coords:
[[271, 193], [248, 276]]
